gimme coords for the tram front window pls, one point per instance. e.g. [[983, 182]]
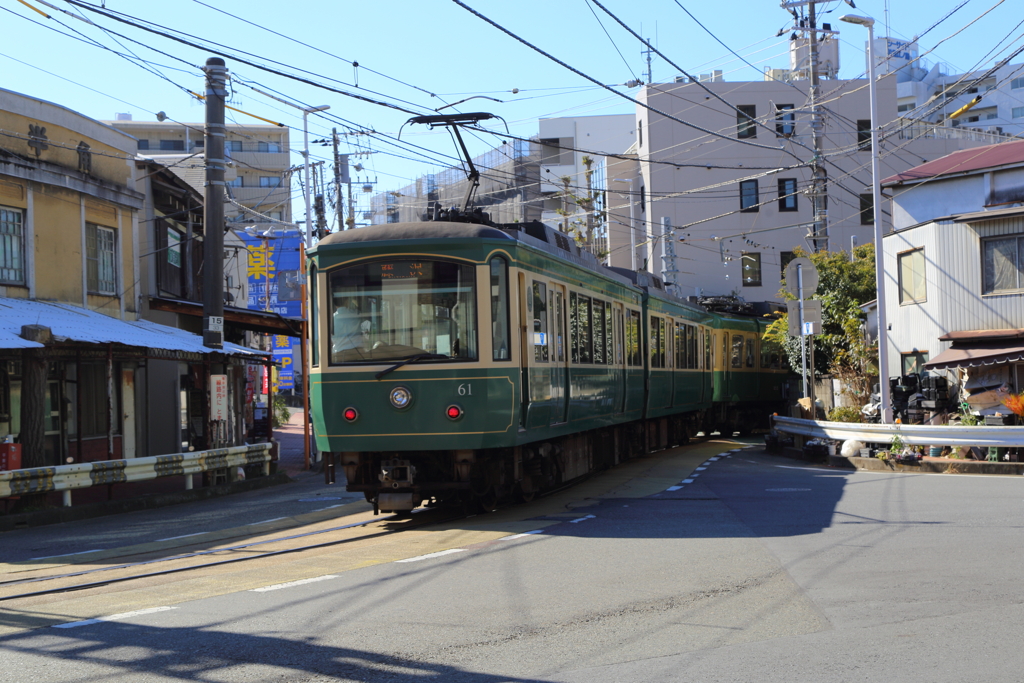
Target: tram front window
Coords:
[[392, 310]]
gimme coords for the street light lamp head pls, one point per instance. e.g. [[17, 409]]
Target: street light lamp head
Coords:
[[310, 110], [857, 19]]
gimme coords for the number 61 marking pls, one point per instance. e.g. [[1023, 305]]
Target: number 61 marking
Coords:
[[465, 390]]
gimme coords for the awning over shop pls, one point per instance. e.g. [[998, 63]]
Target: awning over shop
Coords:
[[71, 323], [975, 353]]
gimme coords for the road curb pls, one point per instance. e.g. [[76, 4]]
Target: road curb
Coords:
[[930, 465], [27, 520]]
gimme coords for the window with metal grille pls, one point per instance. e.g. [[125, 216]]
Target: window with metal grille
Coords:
[[787, 194], [12, 246], [101, 259], [785, 120]]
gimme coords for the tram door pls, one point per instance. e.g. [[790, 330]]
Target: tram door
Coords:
[[559, 355], [525, 349]]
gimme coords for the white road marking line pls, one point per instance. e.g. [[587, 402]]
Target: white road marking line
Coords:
[[525, 533], [673, 488], [174, 538], [785, 490], [300, 582], [700, 469], [695, 474], [50, 557], [687, 481], [809, 469], [329, 507], [319, 500], [714, 458], [113, 617], [266, 521], [581, 519], [433, 555]]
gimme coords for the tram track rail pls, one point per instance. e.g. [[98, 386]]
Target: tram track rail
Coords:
[[184, 557]]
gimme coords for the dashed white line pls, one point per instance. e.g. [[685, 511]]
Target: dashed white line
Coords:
[[687, 481], [433, 555], [50, 557], [522, 535], [700, 469], [581, 519], [300, 582], [266, 521], [113, 617], [329, 507], [174, 538], [673, 488], [714, 458]]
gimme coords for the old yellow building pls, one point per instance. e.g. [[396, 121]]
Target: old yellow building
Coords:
[[73, 349]]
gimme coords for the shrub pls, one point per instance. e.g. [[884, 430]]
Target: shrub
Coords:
[[845, 414]]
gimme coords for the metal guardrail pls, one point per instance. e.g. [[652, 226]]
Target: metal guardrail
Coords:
[[68, 477], [914, 435]]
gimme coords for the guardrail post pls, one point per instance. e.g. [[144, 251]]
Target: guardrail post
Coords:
[[67, 498], [188, 482]]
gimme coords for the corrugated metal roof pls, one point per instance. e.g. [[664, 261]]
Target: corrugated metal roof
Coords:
[[72, 323], [963, 161]]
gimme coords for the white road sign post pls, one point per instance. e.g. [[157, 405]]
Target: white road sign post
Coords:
[[802, 282]]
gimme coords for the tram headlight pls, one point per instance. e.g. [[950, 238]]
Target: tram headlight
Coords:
[[400, 397]]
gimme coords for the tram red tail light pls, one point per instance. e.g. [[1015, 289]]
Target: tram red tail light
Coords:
[[453, 412], [350, 414]]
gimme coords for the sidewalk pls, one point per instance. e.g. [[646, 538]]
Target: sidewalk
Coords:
[[292, 456]]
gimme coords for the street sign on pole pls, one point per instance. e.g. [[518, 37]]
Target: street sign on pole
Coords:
[[810, 277], [811, 314]]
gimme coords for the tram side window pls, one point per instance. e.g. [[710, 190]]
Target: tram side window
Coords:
[[620, 338], [499, 309], [657, 342], [737, 351], [766, 355], [680, 345], [314, 314], [633, 339], [609, 344], [540, 322], [692, 355], [750, 353], [574, 324], [598, 335], [708, 350], [585, 339], [559, 329]]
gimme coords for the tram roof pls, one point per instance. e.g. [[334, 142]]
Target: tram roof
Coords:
[[412, 231]]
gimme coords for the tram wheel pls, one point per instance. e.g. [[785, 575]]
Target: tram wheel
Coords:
[[488, 502]]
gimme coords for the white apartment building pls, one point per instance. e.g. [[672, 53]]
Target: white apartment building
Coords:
[[733, 181], [258, 174]]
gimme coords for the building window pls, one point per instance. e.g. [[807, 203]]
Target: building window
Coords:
[[270, 181], [271, 147], [911, 272], [913, 363], [1017, 83], [12, 246], [745, 115], [785, 120], [172, 145], [787, 194], [1003, 261], [751, 261], [784, 258], [643, 199], [143, 144], [233, 145], [101, 259], [905, 107], [640, 132], [1017, 112], [748, 195], [236, 182], [864, 135], [867, 209]]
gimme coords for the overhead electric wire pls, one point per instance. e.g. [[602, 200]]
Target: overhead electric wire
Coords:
[[611, 40]]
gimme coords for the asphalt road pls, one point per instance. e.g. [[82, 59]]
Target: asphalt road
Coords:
[[755, 569]]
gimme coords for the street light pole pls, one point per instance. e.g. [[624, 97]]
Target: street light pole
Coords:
[[876, 192]]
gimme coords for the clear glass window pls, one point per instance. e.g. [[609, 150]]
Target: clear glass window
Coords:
[[499, 309], [393, 310], [12, 245], [737, 351], [911, 273], [101, 259]]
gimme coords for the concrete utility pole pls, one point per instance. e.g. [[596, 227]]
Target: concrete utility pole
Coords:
[[213, 242], [339, 208], [669, 272], [819, 191]]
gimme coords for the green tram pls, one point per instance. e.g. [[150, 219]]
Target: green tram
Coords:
[[458, 361]]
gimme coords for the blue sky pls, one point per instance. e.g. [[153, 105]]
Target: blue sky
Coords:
[[422, 54]]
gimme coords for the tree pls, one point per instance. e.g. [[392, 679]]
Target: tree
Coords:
[[844, 284]]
